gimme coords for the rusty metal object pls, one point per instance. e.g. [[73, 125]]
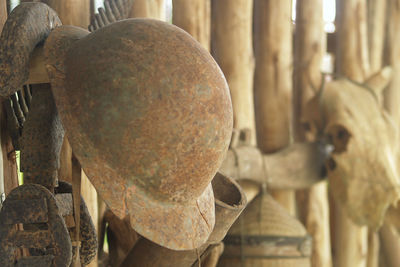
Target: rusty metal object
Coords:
[[88, 235], [145, 91], [17, 108], [229, 203], [113, 11], [44, 229], [25, 28], [41, 139]]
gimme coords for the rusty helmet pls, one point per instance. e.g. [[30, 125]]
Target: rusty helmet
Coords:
[[148, 114]]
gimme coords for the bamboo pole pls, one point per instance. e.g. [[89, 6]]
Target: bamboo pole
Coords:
[[195, 18], [148, 9], [310, 46], [390, 240], [231, 44], [351, 241], [273, 80]]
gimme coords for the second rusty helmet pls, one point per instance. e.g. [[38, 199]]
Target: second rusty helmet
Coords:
[[148, 114]]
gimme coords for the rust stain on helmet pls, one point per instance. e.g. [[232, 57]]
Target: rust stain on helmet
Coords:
[[148, 114]]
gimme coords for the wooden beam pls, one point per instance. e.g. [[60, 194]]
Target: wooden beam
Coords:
[[232, 49], [195, 18], [72, 12], [309, 49], [148, 9], [351, 241], [390, 240], [273, 80], [8, 172], [298, 166]]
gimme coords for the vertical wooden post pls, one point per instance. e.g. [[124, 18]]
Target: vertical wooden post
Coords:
[[390, 240], [148, 9], [195, 18], [310, 46], [376, 32], [376, 39], [351, 241], [273, 80], [72, 12], [8, 171], [231, 45]]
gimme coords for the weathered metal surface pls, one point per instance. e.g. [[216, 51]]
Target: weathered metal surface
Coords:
[[229, 203], [41, 139], [113, 11], [28, 25], [36, 261], [49, 239], [34, 211], [145, 91], [88, 234], [17, 108]]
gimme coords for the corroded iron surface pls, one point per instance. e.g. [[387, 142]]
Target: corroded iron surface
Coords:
[[28, 25], [88, 235], [148, 114], [41, 140], [44, 230], [229, 203]]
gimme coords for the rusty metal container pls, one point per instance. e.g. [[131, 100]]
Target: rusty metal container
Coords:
[[148, 114]]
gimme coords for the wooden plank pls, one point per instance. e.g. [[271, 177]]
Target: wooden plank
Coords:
[[351, 241], [195, 18], [309, 49], [273, 80], [390, 240], [148, 9], [232, 49]]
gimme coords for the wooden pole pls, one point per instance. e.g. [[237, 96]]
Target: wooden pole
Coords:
[[8, 172], [351, 242], [310, 46], [390, 240], [231, 45], [148, 9], [195, 18], [273, 80], [376, 32], [376, 35], [72, 12]]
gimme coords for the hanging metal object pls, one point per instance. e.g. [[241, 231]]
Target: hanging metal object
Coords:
[[144, 91], [44, 230], [37, 131]]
